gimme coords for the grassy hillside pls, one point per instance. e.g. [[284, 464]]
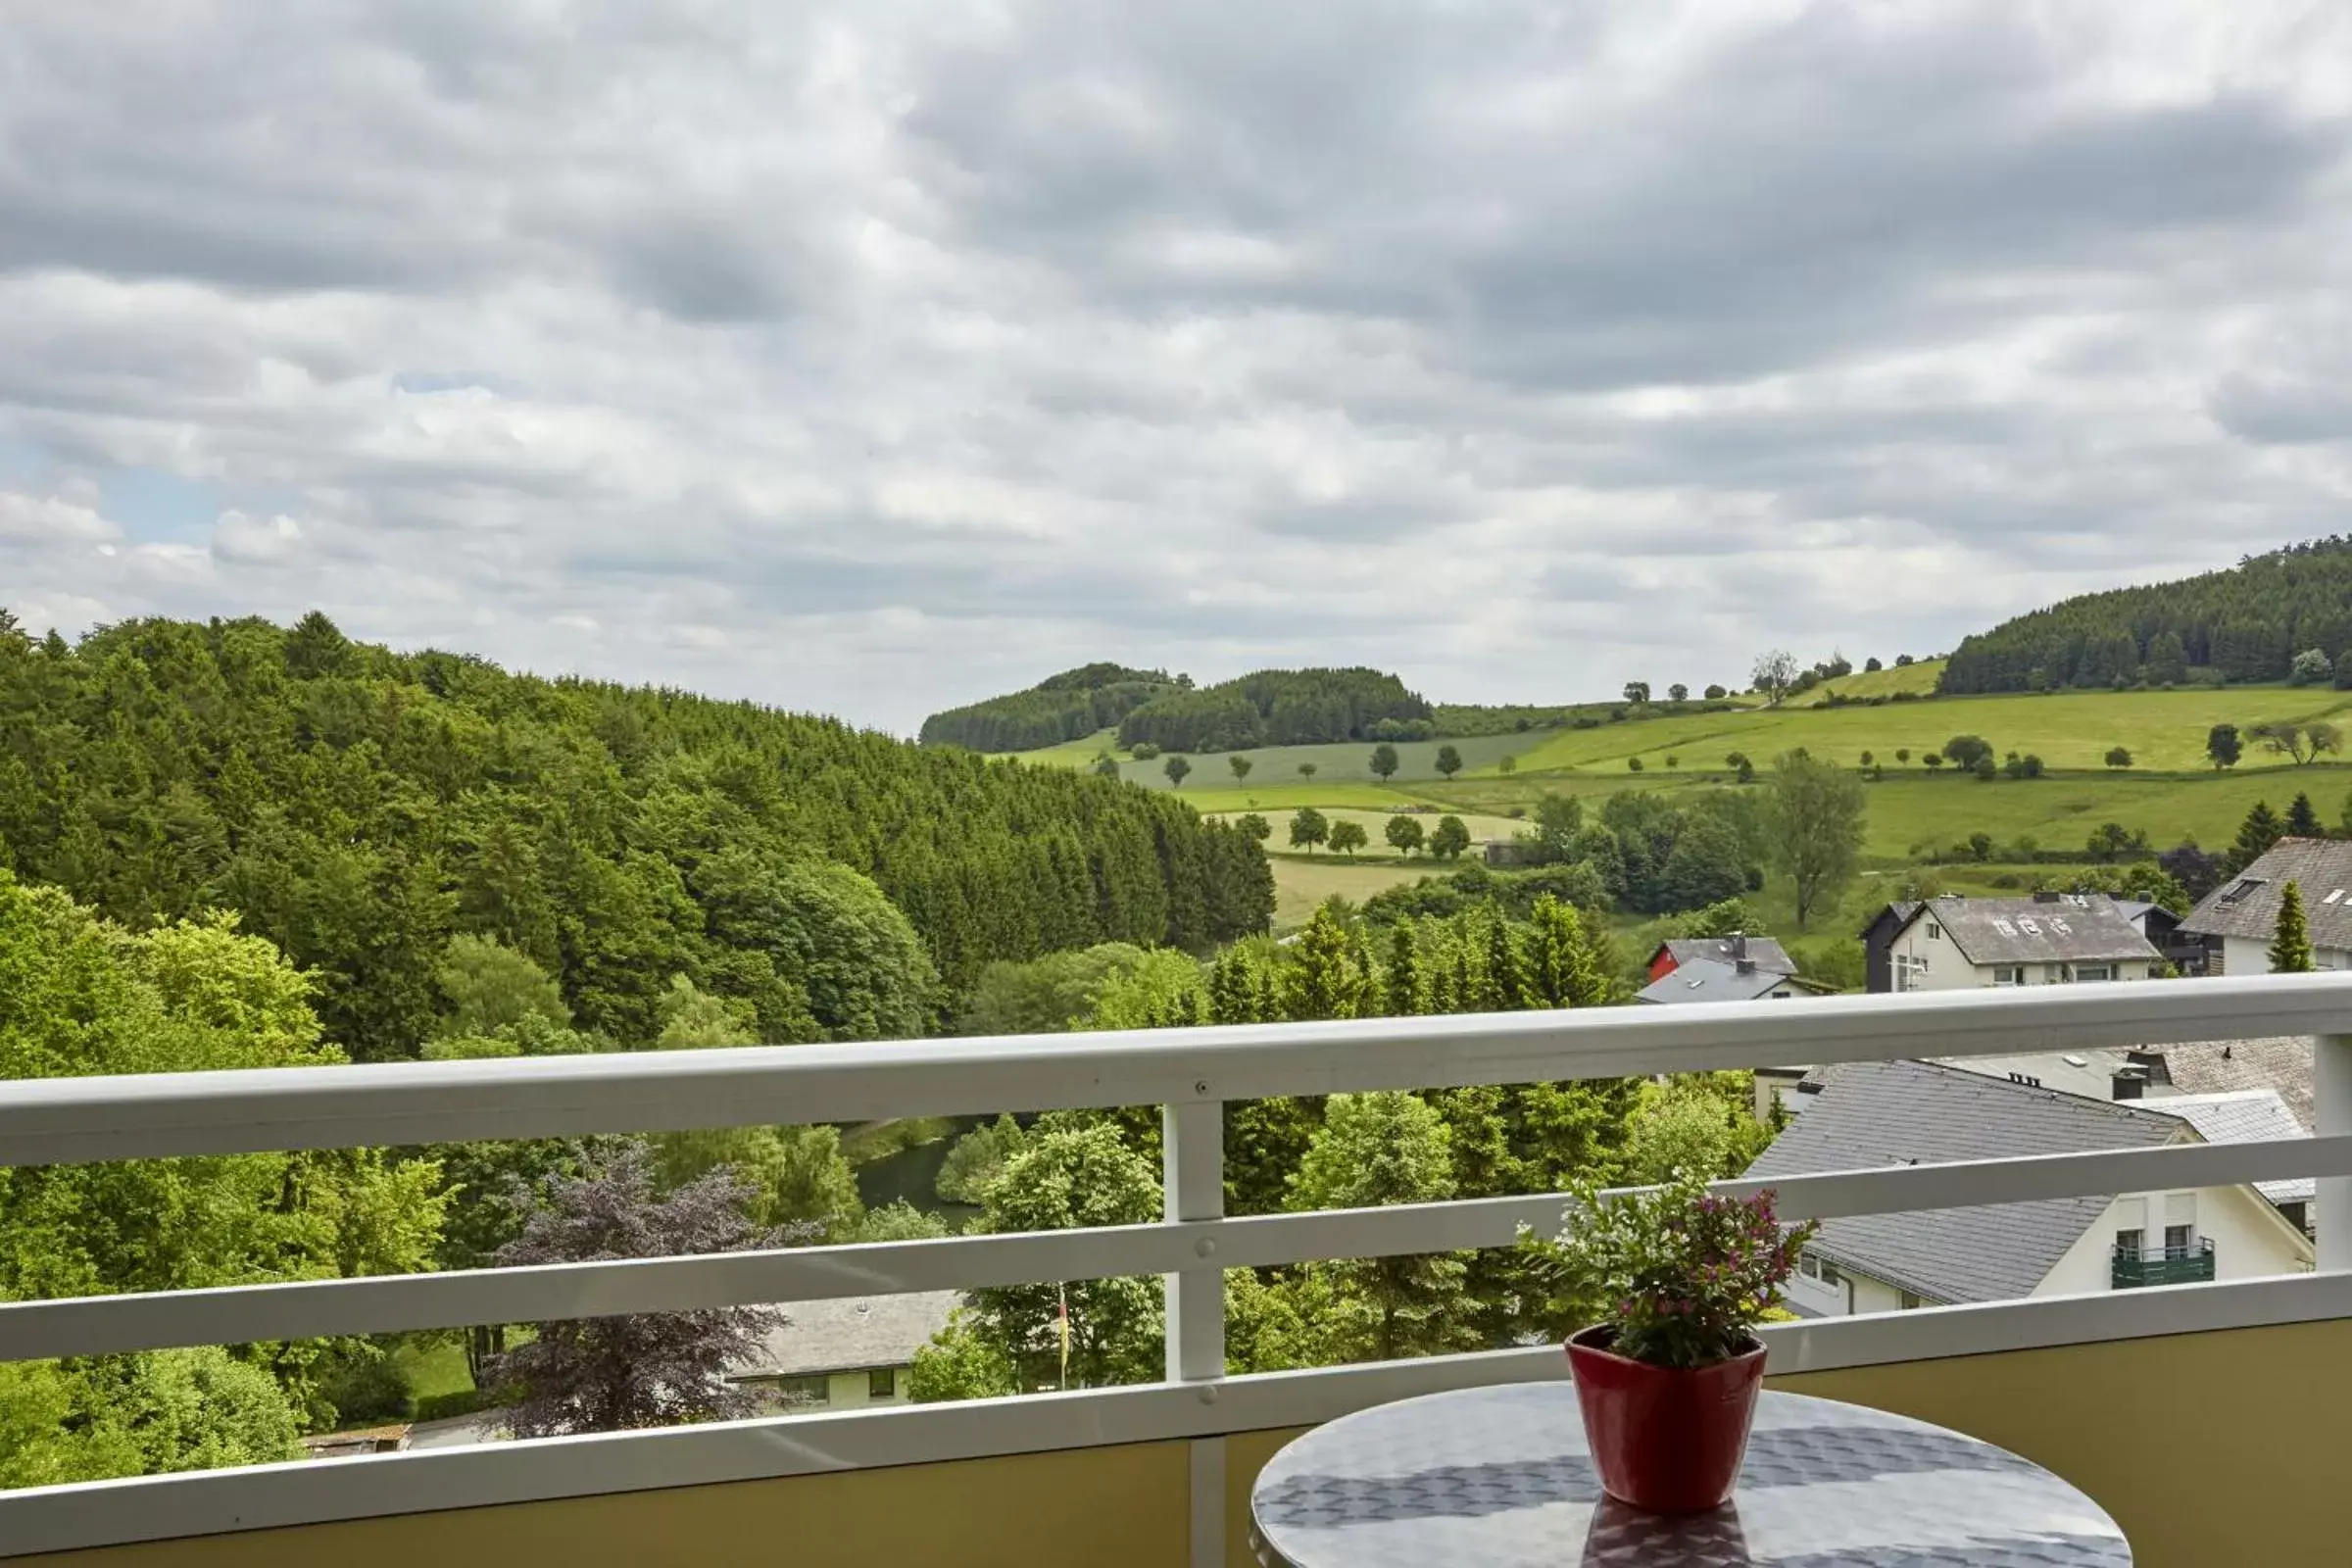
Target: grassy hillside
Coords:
[[1918, 678], [1335, 763], [2164, 731]]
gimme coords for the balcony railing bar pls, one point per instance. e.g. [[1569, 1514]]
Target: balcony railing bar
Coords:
[[1186, 1250], [69, 1120]]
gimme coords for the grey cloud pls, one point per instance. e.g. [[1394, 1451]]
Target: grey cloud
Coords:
[[869, 357]]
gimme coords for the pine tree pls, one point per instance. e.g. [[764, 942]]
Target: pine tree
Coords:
[[2255, 836], [2303, 820], [2291, 948], [1563, 974], [1323, 979], [1402, 982], [1503, 983]]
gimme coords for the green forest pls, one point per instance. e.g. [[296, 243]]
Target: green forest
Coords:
[[1067, 706], [2285, 616], [1280, 708], [358, 808]]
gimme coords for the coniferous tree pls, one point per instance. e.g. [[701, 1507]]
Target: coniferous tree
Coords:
[[2303, 819], [2291, 943], [2255, 835], [1403, 993]]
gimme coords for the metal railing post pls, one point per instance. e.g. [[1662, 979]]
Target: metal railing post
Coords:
[[2331, 1114], [1192, 1137]]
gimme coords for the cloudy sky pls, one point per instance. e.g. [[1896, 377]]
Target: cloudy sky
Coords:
[[876, 356]]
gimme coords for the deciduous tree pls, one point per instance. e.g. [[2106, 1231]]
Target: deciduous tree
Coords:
[[1308, 827], [1348, 836], [1450, 838], [1178, 770], [1384, 761], [1449, 760], [1815, 825], [1405, 834], [649, 1370]]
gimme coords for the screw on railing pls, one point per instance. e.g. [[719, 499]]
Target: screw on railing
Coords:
[[1192, 1140], [2332, 1115]]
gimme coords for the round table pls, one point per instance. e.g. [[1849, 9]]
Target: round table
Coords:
[[1501, 1477]]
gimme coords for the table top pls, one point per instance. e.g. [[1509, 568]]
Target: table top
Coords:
[[1500, 1477]]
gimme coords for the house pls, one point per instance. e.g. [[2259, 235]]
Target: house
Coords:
[[1763, 952], [2236, 923], [1872, 1114], [846, 1354], [1951, 944], [2280, 1063], [1707, 980], [1877, 944], [2250, 1116]]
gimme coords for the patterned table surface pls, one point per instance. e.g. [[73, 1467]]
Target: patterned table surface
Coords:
[[1501, 1477]]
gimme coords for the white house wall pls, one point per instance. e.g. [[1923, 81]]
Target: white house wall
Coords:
[[2249, 1239], [1948, 969], [2246, 956]]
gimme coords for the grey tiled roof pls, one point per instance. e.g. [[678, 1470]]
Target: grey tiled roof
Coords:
[[1704, 980], [2281, 1063], [1763, 952], [850, 1334], [1879, 1113], [2079, 928], [2244, 1117], [2247, 904]]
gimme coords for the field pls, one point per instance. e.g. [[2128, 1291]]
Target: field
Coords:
[[1919, 678], [2168, 793], [2164, 731], [1300, 884], [1344, 763]]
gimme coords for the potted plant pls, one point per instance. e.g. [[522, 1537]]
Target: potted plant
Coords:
[[1667, 1380]]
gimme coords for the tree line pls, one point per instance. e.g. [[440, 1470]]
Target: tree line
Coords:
[[360, 808], [2250, 623], [1275, 708], [1067, 1169], [1067, 706]]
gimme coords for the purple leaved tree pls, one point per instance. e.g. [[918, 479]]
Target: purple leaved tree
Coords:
[[652, 1370]]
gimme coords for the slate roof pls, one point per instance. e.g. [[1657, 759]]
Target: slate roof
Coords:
[[2244, 1117], [2247, 904], [1879, 1113], [2090, 1073], [1763, 952], [2278, 1062], [1704, 980], [2077, 928], [850, 1334]]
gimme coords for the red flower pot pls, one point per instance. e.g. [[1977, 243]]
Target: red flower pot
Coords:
[[1668, 1440]]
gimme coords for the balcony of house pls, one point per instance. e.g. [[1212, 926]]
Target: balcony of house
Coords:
[[1157, 1474], [2134, 1268]]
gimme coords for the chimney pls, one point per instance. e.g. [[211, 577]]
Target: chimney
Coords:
[[1739, 946], [2046, 898], [2128, 1084], [1744, 966]]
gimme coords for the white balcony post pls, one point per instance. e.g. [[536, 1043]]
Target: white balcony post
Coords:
[[2331, 1115], [1192, 1140]]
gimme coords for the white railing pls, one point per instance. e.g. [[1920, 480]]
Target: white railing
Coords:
[[1191, 1073]]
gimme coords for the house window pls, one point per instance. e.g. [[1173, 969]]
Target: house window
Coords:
[[2009, 974], [2095, 971], [1813, 1267], [803, 1391], [1934, 932], [2175, 1242], [1910, 973], [1906, 1301], [2131, 1242], [882, 1382]]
